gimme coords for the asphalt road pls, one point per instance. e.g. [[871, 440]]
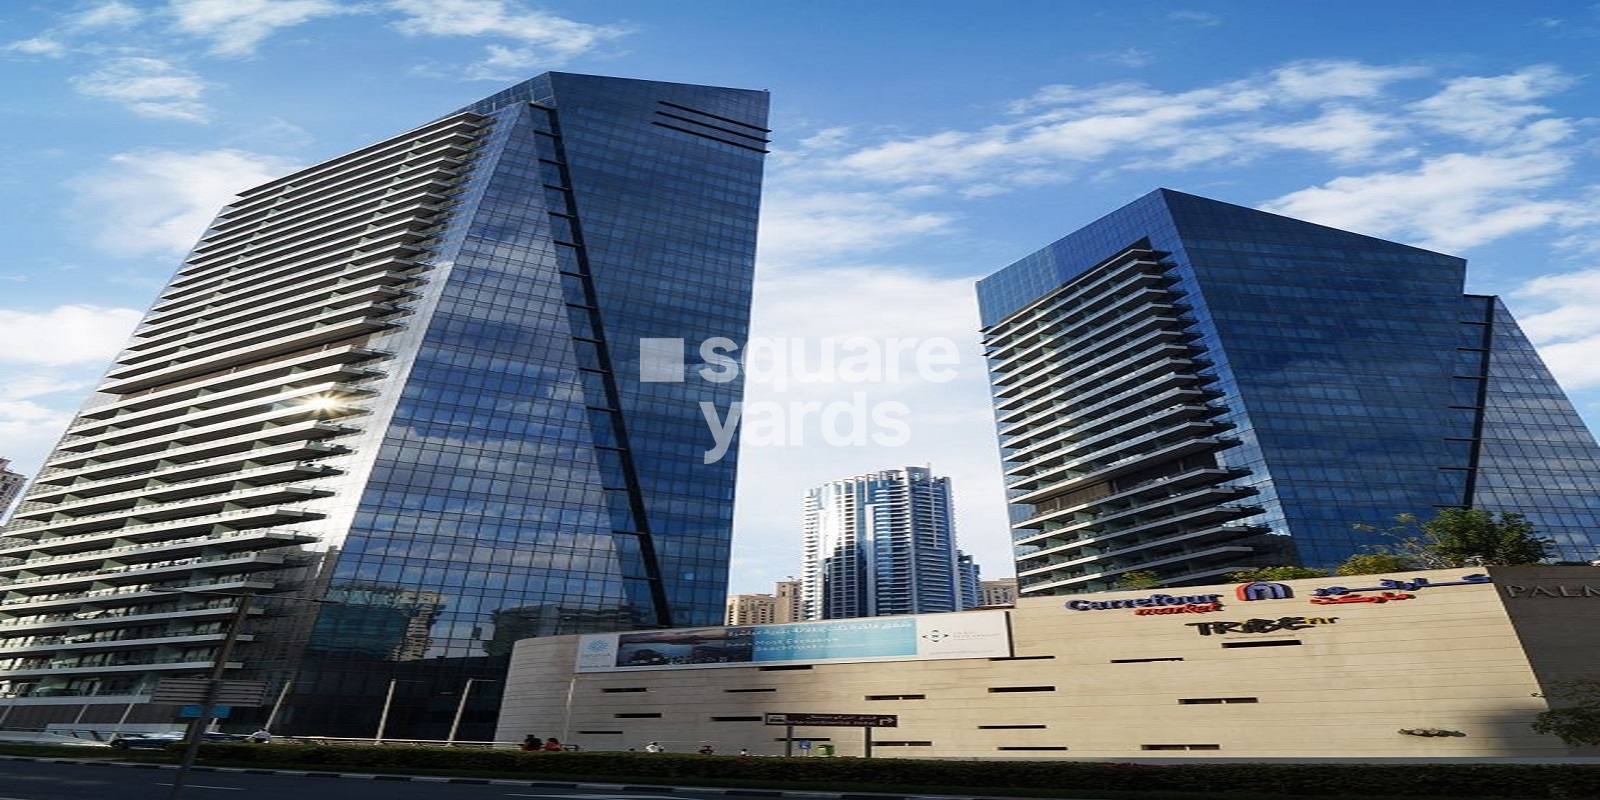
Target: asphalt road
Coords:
[[48, 780]]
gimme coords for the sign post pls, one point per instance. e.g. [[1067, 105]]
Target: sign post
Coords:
[[864, 721]]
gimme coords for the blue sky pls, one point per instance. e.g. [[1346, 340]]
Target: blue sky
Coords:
[[917, 146]]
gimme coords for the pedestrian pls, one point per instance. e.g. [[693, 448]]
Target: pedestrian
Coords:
[[262, 736], [744, 751], [654, 747], [531, 742], [552, 744], [706, 750]]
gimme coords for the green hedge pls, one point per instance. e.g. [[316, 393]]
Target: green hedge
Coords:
[[1293, 780]]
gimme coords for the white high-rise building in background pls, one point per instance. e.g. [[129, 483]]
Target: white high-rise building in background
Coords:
[[881, 544]]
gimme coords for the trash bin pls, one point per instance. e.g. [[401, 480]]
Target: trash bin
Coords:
[[826, 749]]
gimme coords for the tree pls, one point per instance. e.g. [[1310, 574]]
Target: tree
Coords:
[[1276, 574], [1463, 537], [1378, 561], [1577, 722], [1139, 579]]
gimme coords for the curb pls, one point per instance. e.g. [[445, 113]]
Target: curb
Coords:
[[607, 787]]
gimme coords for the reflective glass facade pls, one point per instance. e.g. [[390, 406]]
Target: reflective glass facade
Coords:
[[1191, 388], [396, 398]]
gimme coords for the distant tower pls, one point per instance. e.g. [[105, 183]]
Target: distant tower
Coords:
[[1001, 592], [789, 593], [10, 487], [881, 544], [751, 609]]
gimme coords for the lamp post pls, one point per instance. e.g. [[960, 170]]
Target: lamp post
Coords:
[[461, 708], [219, 667]]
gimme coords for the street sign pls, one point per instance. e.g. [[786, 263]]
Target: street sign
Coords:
[[836, 720], [196, 691]]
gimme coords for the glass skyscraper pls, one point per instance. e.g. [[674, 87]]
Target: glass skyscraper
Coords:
[[881, 544], [1190, 388], [406, 383]]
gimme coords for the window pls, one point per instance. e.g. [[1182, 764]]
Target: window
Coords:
[[1278, 643], [786, 666], [611, 689], [997, 689], [736, 719], [1063, 747], [1180, 747], [766, 689], [1143, 660], [1202, 701], [1009, 727], [897, 697], [1020, 658], [903, 744], [637, 716]]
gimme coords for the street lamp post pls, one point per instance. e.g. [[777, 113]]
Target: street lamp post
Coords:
[[461, 708], [219, 668]]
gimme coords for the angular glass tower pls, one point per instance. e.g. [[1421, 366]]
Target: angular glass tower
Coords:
[[395, 400], [881, 544], [1190, 388]]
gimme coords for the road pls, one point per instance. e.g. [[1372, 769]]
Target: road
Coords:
[[42, 780]]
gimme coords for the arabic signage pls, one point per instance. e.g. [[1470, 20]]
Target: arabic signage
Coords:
[[1260, 625], [836, 720], [1388, 590], [924, 637]]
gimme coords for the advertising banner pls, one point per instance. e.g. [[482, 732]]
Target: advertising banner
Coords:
[[976, 634]]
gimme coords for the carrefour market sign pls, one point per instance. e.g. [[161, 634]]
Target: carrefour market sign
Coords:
[[1154, 604]]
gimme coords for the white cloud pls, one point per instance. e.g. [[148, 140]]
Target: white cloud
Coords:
[[44, 380], [237, 27], [147, 86], [77, 335], [1451, 203], [160, 202], [814, 228], [1568, 331], [540, 39], [112, 14], [38, 46], [1493, 109]]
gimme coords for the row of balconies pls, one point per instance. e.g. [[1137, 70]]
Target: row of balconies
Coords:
[[1033, 405], [224, 540], [1084, 292], [172, 492], [1078, 338], [1034, 491], [1145, 533], [1118, 311], [258, 310], [254, 517], [306, 195], [124, 595], [1072, 431], [130, 458], [284, 272], [458, 130], [349, 358], [110, 618], [133, 573], [1095, 574], [1138, 357], [182, 421], [1188, 420], [296, 279], [203, 505]]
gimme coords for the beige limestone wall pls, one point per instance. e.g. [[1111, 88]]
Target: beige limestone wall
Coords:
[[1111, 683]]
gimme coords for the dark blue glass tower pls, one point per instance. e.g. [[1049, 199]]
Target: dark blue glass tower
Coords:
[[1190, 388], [397, 400]]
